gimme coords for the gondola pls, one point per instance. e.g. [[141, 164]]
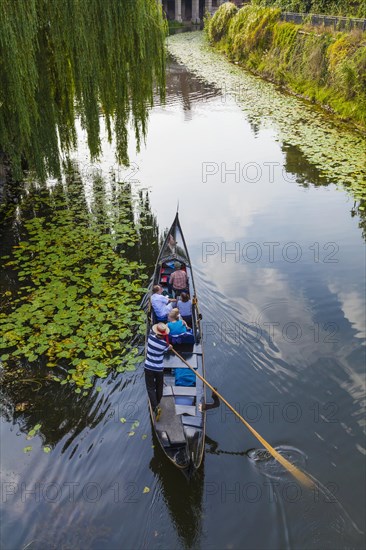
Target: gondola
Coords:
[[180, 429]]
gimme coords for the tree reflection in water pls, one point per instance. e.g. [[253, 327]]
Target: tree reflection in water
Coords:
[[29, 390]]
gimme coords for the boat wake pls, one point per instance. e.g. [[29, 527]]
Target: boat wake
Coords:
[[314, 518]]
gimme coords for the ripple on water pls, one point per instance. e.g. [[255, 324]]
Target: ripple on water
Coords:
[[314, 518]]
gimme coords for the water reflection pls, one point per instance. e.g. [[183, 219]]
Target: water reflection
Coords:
[[185, 89], [183, 497], [307, 175], [296, 163], [28, 391], [253, 361]]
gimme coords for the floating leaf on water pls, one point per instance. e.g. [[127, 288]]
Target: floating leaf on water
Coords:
[[27, 449], [47, 449], [123, 420], [146, 490], [57, 316], [144, 436], [131, 434], [21, 406], [98, 388]]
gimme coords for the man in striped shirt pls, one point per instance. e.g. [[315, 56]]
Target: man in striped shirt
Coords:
[[154, 370]]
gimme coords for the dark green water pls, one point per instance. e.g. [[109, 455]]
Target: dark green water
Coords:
[[279, 267]]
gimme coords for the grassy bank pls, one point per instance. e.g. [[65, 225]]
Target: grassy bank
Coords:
[[324, 66], [348, 8]]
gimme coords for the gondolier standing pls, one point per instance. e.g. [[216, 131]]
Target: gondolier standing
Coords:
[[154, 369], [178, 280]]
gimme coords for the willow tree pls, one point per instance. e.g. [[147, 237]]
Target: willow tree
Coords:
[[66, 59]]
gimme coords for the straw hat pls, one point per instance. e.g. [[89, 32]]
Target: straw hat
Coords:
[[177, 265], [161, 328]]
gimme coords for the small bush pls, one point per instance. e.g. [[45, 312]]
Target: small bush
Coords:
[[216, 26], [251, 29]]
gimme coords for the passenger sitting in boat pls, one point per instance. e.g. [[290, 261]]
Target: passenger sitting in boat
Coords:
[[161, 304], [154, 368], [176, 325], [185, 308], [178, 280]]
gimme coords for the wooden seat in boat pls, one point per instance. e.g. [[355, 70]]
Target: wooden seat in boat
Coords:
[[180, 390], [185, 409], [170, 422]]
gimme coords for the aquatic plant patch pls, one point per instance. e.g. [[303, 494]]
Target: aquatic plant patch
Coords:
[[78, 305]]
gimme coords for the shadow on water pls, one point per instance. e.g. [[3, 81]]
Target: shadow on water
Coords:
[[308, 175], [27, 402], [183, 497]]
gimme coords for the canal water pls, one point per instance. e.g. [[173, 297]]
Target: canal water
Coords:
[[278, 257]]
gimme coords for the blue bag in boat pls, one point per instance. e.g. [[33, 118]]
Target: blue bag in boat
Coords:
[[185, 377], [184, 338]]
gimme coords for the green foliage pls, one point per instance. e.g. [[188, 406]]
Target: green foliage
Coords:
[[251, 30], [325, 66], [216, 27], [356, 8], [173, 24], [77, 58], [79, 303]]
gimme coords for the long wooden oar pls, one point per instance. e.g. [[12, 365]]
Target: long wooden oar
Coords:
[[298, 474]]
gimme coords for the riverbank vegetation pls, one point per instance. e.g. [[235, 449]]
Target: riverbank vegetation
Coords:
[[60, 61], [347, 8], [322, 65]]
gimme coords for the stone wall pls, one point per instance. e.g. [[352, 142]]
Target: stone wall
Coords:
[[189, 10]]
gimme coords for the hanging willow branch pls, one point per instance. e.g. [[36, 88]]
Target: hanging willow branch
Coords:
[[65, 59]]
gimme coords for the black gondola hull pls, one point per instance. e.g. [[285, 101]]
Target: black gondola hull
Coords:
[[182, 424]]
